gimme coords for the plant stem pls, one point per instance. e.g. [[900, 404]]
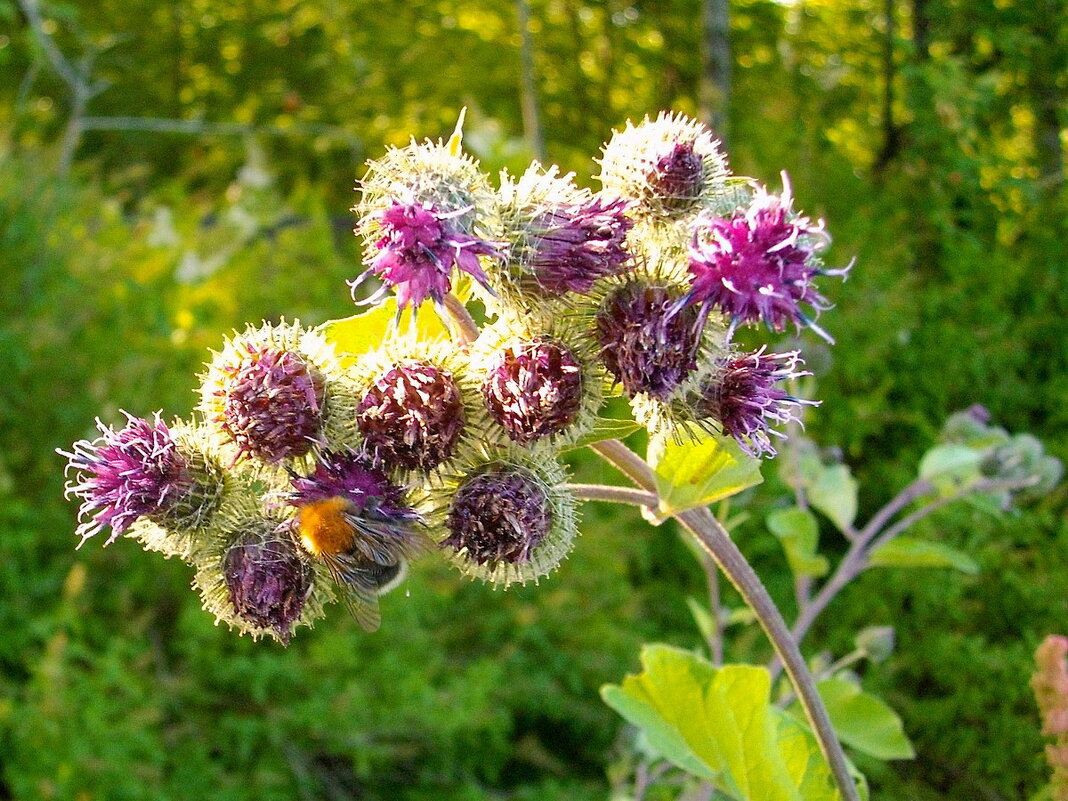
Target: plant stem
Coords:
[[626, 461], [870, 539], [466, 327], [714, 538], [717, 543], [611, 494]]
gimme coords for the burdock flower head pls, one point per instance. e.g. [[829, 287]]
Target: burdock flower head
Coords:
[[355, 522], [418, 249], [425, 209], [671, 166], [534, 389], [140, 470], [575, 245], [648, 344], [267, 579], [564, 238], [412, 415], [759, 263], [510, 519], [266, 392], [742, 398]]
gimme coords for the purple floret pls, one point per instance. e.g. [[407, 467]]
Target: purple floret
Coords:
[[418, 250], [744, 399], [576, 245], [126, 474], [759, 264]]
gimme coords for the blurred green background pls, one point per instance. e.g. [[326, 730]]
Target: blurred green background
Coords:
[[173, 169]]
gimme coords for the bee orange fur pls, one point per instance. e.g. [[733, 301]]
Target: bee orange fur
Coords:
[[324, 531]]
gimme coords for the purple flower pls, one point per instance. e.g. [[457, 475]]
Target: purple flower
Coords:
[[418, 250], [268, 581], [678, 177], [412, 416], [499, 515], [271, 404], [136, 471], [648, 343], [576, 245], [533, 389], [744, 400], [759, 264]]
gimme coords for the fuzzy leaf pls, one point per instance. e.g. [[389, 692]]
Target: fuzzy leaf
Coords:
[[950, 467], [834, 492], [721, 720], [798, 532], [912, 552], [862, 721], [364, 332], [701, 471]]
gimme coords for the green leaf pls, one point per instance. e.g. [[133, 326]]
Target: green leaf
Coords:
[[720, 725], [862, 721], [951, 467], [911, 552], [876, 642], [701, 617], [798, 532], [606, 428], [699, 471], [834, 492], [364, 332]]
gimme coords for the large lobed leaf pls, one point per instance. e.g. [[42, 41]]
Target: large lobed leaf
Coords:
[[718, 723]]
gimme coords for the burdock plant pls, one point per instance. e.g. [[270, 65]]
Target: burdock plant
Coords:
[[316, 470]]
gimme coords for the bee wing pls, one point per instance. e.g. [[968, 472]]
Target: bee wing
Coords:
[[356, 589]]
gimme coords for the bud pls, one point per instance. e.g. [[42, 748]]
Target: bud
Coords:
[[670, 166], [510, 518], [268, 581], [534, 389], [266, 393], [648, 344], [412, 416]]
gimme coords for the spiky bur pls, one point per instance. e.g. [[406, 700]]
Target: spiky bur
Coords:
[[743, 399], [268, 580], [671, 167], [425, 210], [268, 393], [510, 519], [253, 576], [759, 264], [563, 238], [1050, 685], [647, 343], [412, 415], [534, 389], [140, 470], [356, 524]]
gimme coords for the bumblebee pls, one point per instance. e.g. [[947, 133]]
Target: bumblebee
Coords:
[[365, 553]]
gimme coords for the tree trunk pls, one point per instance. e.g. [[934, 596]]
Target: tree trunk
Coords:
[[527, 89], [715, 89], [891, 133]]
